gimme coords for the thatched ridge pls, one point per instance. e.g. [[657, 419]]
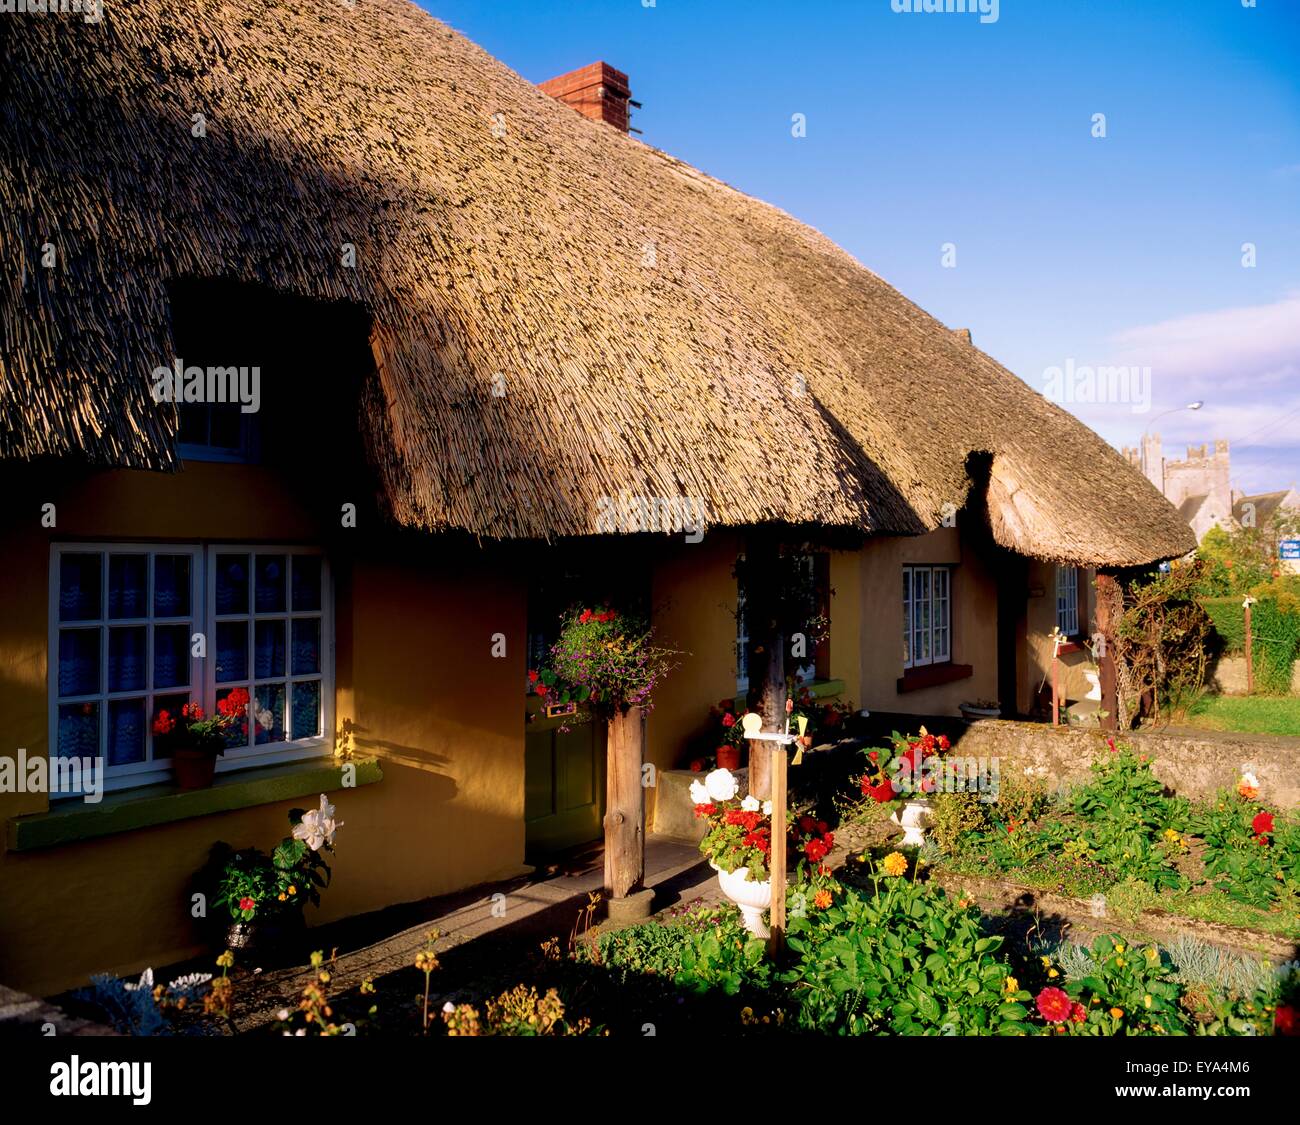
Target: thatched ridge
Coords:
[[657, 332]]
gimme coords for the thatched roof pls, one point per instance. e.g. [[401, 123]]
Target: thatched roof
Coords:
[[658, 332]]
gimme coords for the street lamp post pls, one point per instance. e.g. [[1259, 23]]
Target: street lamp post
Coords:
[[1147, 432]]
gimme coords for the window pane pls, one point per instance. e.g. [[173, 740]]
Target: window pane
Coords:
[[232, 583], [268, 649], [306, 582], [268, 713], [171, 657], [127, 658], [126, 731], [78, 735], [306, 646], [171, 586], [306, 709], [907, 616], [232, 651], [172, 704], [79, 662], [270, 584], [128, 586], [224, 425], [79, 579]]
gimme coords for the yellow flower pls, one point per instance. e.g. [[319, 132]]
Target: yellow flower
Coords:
[[895, 863], [1119, 961], [1146, 1001], [226, 960], [1047, 962], [1118, 1013], [1053, 974], [1012, 984], [293, 890], [1119, 949], [281, 896], [1152, 954]]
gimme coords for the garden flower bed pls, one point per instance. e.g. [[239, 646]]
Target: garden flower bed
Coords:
[[1121, 845]]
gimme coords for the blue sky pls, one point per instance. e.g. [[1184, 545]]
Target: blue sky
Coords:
[[926, 129]]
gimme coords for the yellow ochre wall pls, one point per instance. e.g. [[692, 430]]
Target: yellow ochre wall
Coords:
[[414, 673], [879, 586]]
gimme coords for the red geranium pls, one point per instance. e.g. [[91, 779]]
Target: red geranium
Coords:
[[1054, 1005], [1284, 1020], [883, 793], [815, 850], [247, 903], [1262, 825], [728, 720], [1078, 1014]]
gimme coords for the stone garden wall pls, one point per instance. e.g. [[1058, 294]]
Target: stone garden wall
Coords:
[[1229, 677], [1192, 765]]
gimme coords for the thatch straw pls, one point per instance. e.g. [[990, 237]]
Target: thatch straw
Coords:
[[652, 325]]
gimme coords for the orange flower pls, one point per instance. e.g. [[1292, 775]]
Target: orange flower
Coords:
[[822, 899]]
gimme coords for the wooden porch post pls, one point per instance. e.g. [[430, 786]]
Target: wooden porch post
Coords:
[[1107, 594], [625, 804]]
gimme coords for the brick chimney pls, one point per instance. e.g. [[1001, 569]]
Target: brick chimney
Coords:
[[597, 91]]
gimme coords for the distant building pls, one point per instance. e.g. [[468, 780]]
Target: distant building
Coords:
[[1198, 486]]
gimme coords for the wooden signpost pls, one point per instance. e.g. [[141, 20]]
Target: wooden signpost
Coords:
[[776, 758], [1250, 655]]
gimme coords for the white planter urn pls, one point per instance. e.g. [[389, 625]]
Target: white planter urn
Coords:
[[913, 820], [752, 898]]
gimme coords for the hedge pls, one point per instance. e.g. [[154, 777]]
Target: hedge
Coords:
[[1275, 637]]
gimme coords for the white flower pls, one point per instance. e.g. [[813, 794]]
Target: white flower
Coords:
[[449, 1007], [721, 785], [282, 1014], [188, 982], [145, 982], [317, 826], [767, 808], [699, 795], [750, 803], [1250, 779]]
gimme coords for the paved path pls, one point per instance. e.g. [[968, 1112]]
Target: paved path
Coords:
[[513, 915]]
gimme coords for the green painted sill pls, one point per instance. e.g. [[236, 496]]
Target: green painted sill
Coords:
[[162, 804]]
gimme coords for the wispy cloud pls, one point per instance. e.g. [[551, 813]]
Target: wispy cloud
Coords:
[[1243, 363]]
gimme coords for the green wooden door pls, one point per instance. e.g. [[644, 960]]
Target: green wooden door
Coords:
[[564, 787]]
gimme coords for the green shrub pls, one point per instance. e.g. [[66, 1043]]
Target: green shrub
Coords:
[[907, 960], [956, 816], [1275, 633]]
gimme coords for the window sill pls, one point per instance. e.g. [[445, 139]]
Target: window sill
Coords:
[[1068, 647], [130, 809], [932, 675]]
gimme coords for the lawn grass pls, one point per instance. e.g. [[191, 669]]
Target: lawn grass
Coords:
[[1250, 714]]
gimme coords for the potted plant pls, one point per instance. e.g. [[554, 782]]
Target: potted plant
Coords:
[[194, 741], [980, 709], [738, 844], [729, 734], [266, 895], [903, 774]]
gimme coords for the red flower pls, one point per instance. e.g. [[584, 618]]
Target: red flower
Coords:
[[164, 723], [1262, 841], [247, 903], [884, 792], [705, 810], [697, 765], [585, 616], [1054, 1005], [806, 824], [1262, 825], [874, 755], [1284, 1021], [533, 677], [815, 850], [828, 838], [1111, 743], [943, 742], [1078, 1014], [728, 720], [236, 703]]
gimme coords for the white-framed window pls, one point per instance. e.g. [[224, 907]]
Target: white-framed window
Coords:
[[124, 618], [1067, 600], [927, 615]]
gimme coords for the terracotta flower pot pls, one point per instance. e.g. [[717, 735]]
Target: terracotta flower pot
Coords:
[[194, 769], [728, 757]]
